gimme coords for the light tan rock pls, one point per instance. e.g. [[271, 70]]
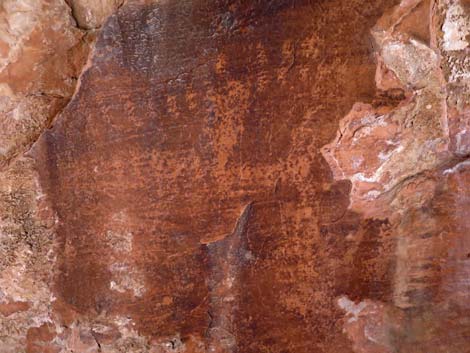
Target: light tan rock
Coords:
[[41, 55], [378, 148], [91, 14]]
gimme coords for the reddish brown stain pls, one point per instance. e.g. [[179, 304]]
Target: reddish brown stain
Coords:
[[40, 339], [7, 309]]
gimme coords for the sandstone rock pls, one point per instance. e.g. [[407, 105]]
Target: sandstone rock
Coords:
[[41, 58], [91, 14], [379, 148], [406, 165], [7, 309], [185, 191]]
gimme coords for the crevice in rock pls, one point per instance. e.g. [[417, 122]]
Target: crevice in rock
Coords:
[[50, 121], [87, 64]]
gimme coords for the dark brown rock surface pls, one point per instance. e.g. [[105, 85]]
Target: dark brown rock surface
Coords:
[[190, 189], [192, 196]]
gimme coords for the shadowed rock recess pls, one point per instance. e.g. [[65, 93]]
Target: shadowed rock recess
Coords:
[[228, 176]]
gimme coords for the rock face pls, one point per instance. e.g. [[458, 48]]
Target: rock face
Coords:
[[179, 187], [41, 56], [407, 163], [90, 14]]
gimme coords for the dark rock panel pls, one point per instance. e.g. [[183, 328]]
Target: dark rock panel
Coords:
[[195, 208], [234, 176]]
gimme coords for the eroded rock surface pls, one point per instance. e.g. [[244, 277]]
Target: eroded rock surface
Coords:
[[42, 53], [190, 191], [407, 163], [190, 194], [91, 14]]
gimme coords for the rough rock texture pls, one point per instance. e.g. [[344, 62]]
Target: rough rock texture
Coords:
[[41, 55], [407, 164], [190, 194], [90, 14]]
